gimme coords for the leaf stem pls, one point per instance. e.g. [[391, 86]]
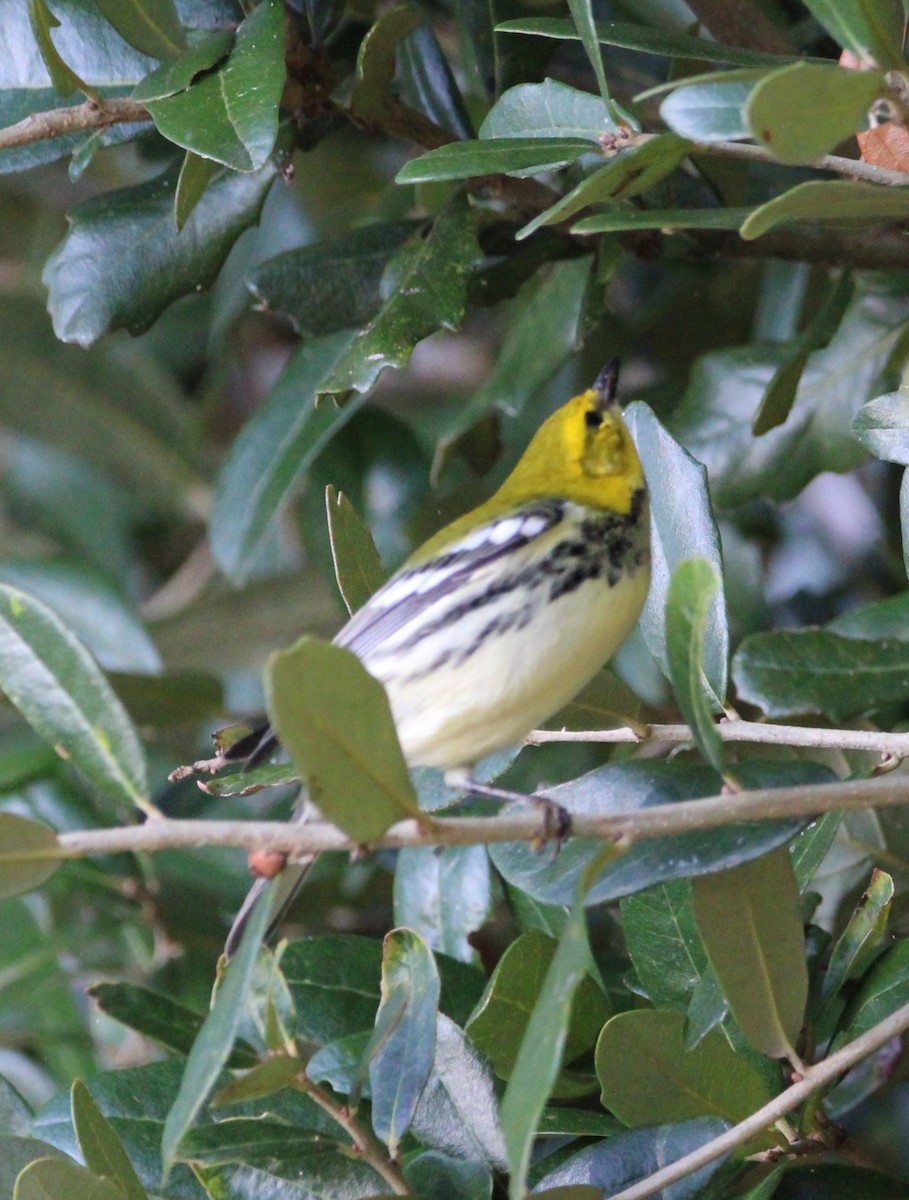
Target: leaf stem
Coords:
[[368, 1147], [815, 1078]]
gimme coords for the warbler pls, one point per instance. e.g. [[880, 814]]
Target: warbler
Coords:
[[501, 618]]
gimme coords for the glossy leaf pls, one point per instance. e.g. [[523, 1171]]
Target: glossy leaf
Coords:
[[664, 943], [628, 174], [63, 77], [815, 670], [334, 720], [882, 426], [332, 284], [646, 38], [101, 1148], [377, 56], [358, 568], [884, 989], [547, 109], [709, 112], [823, 202], [806, 110], [871, 29], [619, 217], [444, 895], [16, 1153], [500, 1021], [203, 53], [20, 840], [678, 532], [60, 1177], [692, 592], [627, 787], [195, 176], [216, 1038], [858, 942], [649, 1077], [231, 114], [403, 1044], [334, 981], [58, 688], [751, 927], [123, 260], [435, 1174], [163, 1020], [582, 15], [628, 1158], [272, 453], [427, 82], [430, 294], [151, 26], [542, 1047], [493, 156], [713, 420]]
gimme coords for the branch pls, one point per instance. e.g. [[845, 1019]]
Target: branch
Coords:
[[815, 1078], [665, 820], [78, 118], [856, 168], [874, 741]]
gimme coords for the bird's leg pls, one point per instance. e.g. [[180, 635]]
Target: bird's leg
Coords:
[[556, 819]]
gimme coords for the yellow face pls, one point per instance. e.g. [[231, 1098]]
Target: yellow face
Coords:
[[584, 453]]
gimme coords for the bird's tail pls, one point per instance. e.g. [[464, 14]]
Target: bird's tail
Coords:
[[253, 749]]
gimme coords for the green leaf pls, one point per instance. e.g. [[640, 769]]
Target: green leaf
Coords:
[[542, 1048], [628, 174], [548, 109], [430, 294], [358, 568], [713, 420], [334, 981], [51, 1177], [751, 926], [804, 111], [824, 202], [195, 176], [678, 532], [709, 112], [151, 26], [334, 720], [500, 1021], [692, 590], [272, 453], [16, 1153], [26, 857], [205, 52], [582, 15], [628, 1158], [331, 284], [859, 941], [231, 113], [628, 787], [427, 83], [620, 217], [402, 1049], [871, 29], [817, 671], [444, 895], [649, 40], [101, 1148], [123, 260], [64, 79], [216, 1038], [884, 989], [436, 1174], [164, 1021], [882, 426], [526, 361], [377, 58], [163, 701], [56, 685], [649, 1077], [664, 943], [494, 156]]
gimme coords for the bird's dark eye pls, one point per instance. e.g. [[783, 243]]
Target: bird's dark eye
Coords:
[[593, 419]]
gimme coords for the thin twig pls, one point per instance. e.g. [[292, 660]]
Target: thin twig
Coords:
[[815, 1078], [664, 820], [368, 1147], [79, 118], [854, 167], [874, 741]]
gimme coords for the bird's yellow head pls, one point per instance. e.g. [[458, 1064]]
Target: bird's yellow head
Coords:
[[583, 452]]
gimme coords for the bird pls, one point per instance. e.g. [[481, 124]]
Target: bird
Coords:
[[500, 618]]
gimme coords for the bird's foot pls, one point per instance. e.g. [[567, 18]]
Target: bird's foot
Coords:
[[556, 818]]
